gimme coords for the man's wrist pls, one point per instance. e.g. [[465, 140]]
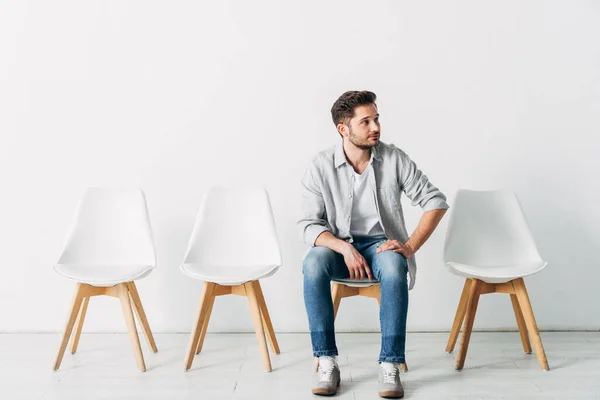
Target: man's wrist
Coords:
[[345, 248], [413, 248]]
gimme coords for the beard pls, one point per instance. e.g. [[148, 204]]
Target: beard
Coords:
[[355, 140]]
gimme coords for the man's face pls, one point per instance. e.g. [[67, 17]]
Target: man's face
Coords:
[[364, 129]]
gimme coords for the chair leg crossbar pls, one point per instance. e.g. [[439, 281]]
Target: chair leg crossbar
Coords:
[[127, 293], [258, 309], [465, 315]]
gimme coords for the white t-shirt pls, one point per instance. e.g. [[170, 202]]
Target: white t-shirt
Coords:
[[364, 220]]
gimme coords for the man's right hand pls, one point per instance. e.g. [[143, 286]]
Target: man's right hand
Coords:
[[356, 263]]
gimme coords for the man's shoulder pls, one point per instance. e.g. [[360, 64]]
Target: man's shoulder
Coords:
[[390, 151], [324, 157]]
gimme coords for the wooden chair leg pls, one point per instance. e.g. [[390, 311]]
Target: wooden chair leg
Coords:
[[474, 291], [258, 326], [79, 324], [459, 317], [207, 293], [209, 308], [523, 298], [141, 316], [521, 324], [337, 292], [264, 311], [131, 328], [76, 306]]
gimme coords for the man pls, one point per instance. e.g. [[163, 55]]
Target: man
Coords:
[[352, 216]]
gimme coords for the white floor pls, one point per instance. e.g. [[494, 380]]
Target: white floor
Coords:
[[230, 368]]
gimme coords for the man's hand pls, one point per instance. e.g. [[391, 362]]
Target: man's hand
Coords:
[[356, 263], [403, 248]]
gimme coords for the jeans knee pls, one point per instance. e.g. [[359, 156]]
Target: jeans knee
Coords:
[[393, 268], [316, 263]]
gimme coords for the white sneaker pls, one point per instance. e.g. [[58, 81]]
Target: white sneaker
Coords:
[[329, 377], [390, 386]]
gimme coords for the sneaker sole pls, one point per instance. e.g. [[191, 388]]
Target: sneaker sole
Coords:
[[325, 392], [391, 395]]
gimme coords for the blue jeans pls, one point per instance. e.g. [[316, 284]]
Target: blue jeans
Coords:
[[321, 265]]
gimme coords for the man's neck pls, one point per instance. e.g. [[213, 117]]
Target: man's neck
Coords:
[[357, 157]]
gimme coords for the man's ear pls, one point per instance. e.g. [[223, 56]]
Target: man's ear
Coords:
[[343, 130]]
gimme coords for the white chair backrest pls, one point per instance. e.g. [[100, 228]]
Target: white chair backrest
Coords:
[[235, 227], [111, 228], [488, 228]]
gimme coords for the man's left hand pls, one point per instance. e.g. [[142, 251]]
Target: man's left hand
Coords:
[[397, 247]]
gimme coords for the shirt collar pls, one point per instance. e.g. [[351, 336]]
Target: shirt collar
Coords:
[[339, 158]]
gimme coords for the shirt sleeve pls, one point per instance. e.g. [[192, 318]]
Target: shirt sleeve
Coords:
[[313, 221], [417, 187]]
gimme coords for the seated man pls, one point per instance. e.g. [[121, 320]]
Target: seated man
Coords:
[[352, 216]]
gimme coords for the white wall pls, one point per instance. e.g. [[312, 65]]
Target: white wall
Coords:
[[174, 97]]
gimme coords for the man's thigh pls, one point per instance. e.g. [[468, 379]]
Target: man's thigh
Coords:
[[321, 259]]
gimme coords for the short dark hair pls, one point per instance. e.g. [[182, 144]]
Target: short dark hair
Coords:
[[343, 108]]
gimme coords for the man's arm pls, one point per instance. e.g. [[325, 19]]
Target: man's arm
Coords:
[[313, 222], [417, 187], [327, 239], [421, 192], [427, 224]]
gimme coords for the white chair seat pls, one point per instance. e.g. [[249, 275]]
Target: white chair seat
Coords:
[[228, 275], [101, 275], [356, 282], [496, 273]]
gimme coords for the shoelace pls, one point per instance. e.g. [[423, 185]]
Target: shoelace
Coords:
[[326, 367], [390, 371]]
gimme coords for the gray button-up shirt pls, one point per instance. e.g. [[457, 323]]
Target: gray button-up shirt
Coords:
[[327, 189]]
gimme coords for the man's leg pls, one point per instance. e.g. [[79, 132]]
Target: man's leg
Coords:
[[319, 267], [391, 270]]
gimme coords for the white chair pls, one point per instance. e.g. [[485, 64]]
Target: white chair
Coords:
[[233, 244], [342, 288], [489, 243], [109, 246]]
